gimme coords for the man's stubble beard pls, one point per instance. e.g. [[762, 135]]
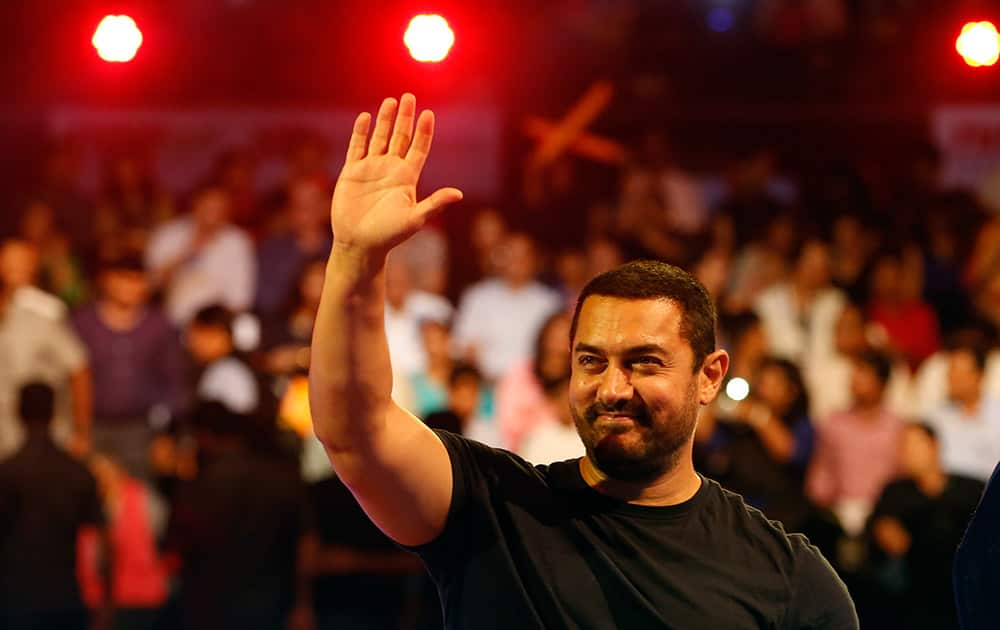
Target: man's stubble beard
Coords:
[[661, 447]]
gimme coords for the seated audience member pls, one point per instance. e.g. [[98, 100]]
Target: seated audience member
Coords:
[[968, 425], [498, 318], [829, 378], [465, 385], [761, 447], [405, 308], [429, 388], [930, 383], [60, 270], [977, 563], [306, 237], [520, 395], [138, 364], [286, 335], [856, 449], [572, 271], [852, 247], [136, 523], [224, 376], [359, 576], [37, 343], [799, 315], [762, 264], [914, 529], [237, 530], [203, 259], [554, 440], [910, 325], [47, 498]]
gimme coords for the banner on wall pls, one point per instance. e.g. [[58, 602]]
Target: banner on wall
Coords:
[[969, 140], [183, 147]]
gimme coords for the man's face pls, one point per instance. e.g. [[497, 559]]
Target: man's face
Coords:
[[866, 386], [18, 264], [964, 377], [633, 392], [208, 343], [813, 269], [918, 452], [519, 261], [211, 210], [126, 287]]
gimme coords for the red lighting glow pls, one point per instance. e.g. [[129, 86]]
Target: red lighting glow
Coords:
[[979, 44], [117, 38], [429, 38]]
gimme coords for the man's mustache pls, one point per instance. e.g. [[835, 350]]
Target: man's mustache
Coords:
[[638, 412]]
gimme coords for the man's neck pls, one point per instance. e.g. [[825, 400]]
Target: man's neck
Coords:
[[673, 487], [932, 482]]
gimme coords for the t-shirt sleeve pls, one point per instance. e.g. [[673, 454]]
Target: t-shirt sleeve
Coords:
[[820, 600]]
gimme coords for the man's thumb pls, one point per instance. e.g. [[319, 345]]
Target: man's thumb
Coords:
[[437, 200]]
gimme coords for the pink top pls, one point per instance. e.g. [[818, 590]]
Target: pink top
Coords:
[[854, 458], [520, 404], [139, 578]]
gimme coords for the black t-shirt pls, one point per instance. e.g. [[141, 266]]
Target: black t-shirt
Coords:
[[535, 547], [45, 497]]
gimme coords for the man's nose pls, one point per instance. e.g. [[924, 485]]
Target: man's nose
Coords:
[[616, 387]]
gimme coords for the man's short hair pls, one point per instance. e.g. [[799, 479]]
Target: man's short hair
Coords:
[[214, 316], [879, 362], [124, 262], [976, 351], [463, 371], [36, 402], [654, 280]]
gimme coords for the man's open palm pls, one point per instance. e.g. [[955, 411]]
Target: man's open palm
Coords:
[[375, 203]]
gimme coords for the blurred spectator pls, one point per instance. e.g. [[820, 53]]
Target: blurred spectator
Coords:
[[137, 363], [556, 439], [46, 499], [572, 272], [915, 527], [136, 522], [522, 405], [968, 425], [236, 172], [830, 378], [850, 254], [986, 300], [359, 575], [761, 448], [237, 530], [909, 324], [465, 385], [799, 315], [603, 254], [426, 256], [487, 234], [285, 336], [129, 207], [37, 343], [60, 271], [856, 449], [762, 264], [224, 376], [430, 386], [498, 318], [405, 308], [942, 266], [306, 236], [202, 259], [930, 383]]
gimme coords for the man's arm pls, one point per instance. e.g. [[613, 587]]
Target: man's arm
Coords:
[[394, 465]]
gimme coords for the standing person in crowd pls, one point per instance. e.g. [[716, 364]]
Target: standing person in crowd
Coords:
[[203, 259], [629, 535], [498, 318], [137, 361], [856, 449], [224, 376], [47, 498], [915, 528], [305, 237], [556, 439], [406, 307], [968, 425], [522, 405], [38, 343], [240, 530], [799, 315], [285, 336]]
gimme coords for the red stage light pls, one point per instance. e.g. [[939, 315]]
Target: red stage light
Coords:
[[117, 38], [429, 38], [979, 44]]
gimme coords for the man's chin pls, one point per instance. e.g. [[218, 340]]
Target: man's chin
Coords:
[[618, 457]]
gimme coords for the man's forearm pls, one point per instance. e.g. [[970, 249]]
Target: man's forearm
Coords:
[[350, 376]]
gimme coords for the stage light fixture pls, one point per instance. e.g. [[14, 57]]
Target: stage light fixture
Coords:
[[117, 38], [979, 44], [429, 38]]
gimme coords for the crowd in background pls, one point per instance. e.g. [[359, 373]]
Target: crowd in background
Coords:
[[154, 421]]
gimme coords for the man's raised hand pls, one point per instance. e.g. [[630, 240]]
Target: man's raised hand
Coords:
[[375, 203]]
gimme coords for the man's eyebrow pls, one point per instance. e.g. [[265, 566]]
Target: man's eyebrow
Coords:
[[583, 347], [649, 348]]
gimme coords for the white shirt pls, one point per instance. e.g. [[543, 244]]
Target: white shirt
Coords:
[[224, 271], [502, 322], [970, 445], [402, 329], [230, 382], [930, 384], [788, 336], [552, 442], [829, 385]]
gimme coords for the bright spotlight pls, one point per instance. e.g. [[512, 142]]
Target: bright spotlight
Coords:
[[737, 389], [429, 38], [979, 44], [117, 38]]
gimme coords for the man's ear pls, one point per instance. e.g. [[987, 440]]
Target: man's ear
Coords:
[[710, 377]]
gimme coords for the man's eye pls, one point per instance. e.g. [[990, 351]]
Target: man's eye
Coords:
[[586, 360], [647, 361]]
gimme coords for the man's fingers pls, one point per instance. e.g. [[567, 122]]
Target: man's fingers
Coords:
[[437, 200], [383, 125], [421, 144], [403, 130], [359, 137]]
